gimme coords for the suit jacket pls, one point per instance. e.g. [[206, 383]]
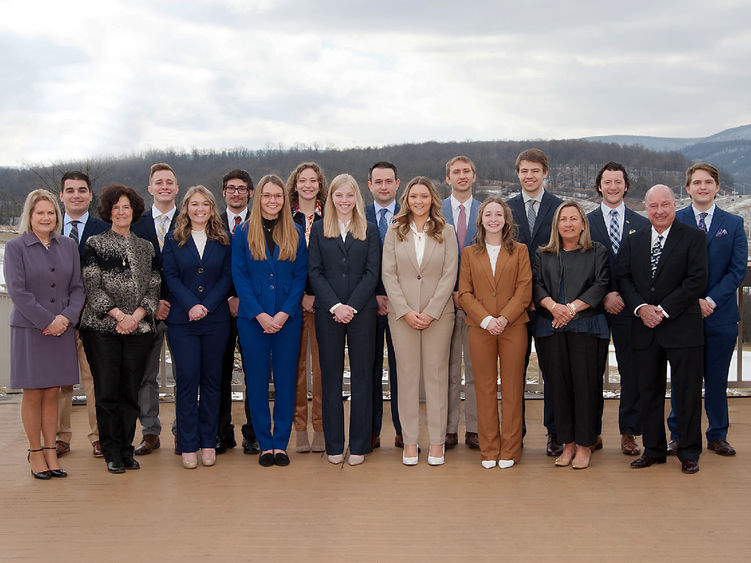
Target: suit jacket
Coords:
[[632, 222], [678, 283], [299, 218], [145, 229], [344, 271], [543, 223], [194, 280], [92, 227], [425, 288], [270, 285], [370, 215], [727, 256], [507, 293]]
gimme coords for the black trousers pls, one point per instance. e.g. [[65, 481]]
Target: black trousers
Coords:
[[384, 333], [629, 419], [360, 336], [548, 419], [573, 366], [226, 429], [117, 365]]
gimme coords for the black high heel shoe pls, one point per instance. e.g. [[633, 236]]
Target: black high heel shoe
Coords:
[[43, 475], [57, 473]]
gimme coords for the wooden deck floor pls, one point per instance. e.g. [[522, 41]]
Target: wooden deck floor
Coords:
[[379, 511]]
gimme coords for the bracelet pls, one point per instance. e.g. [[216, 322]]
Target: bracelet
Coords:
[[553, 307], [572, 308]]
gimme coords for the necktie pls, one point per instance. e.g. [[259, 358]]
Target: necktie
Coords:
[[382, 224], [702, 224], [74, 231], [615, 239], [656, 253], [161, 229], [531, 215], [237, 222], [461, 228]]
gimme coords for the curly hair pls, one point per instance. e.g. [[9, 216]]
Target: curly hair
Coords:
[[292, 183], [112, 193]]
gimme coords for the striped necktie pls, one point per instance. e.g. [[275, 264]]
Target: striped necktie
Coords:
[[161, 229], [382, 224], [656, 253], [615, 239], [74, 231], [531, 215]]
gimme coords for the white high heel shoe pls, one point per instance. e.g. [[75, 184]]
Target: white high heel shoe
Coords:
[[437, 460], [410, 460]]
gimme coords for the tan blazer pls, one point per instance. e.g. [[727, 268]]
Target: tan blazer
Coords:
[[426, 288], [507, 294]]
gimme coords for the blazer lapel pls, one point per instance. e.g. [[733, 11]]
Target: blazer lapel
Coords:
[[430, 245], [194, 250], [717, 222], [409, 243], [543, 211]]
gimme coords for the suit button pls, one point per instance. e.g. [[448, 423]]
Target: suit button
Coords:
[[344, 275], [52, 284], [200, 270], [52, 269], [419, 277], [493, 294], [52, 300], [344, 260], [200, 289], [651, 289], [271, 287], [271, 275]]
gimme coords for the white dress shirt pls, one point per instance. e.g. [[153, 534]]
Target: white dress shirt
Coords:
[[621, 211], [199, 239], [67, 224], [455, 203]]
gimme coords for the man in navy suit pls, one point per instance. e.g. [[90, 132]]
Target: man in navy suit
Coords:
[[460, 210], [662, 272], [383, 183], [78, 224], [727, 255], [609, 225], [533, 211], [153, 226]]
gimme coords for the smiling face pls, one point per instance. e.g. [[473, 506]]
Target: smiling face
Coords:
[[419, 201], [236, 194], [461, 178], [612, 188], [570, 226], [43, 219], [122, 215], [307, 185], [660, 205], [344, 202], [164, 188], [702, 188], [383, 185], [272, 200], [531, 176], [76, 198], [199, 211], [493, 218]]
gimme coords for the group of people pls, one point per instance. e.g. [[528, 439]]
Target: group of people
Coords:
[[452, 287]]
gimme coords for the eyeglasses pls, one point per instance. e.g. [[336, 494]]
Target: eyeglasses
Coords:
[[234, 190]]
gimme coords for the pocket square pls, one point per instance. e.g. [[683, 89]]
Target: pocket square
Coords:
[[721, 233]]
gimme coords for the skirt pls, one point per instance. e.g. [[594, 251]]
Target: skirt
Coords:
[[38, 361]]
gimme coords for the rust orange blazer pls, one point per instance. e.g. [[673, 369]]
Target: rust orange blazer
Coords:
[[507, 294]]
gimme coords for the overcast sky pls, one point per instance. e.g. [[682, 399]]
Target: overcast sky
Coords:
[[93, 78]]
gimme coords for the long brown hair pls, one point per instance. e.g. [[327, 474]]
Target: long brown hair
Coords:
[[508, 230], [183, 226], [358, 225], [435, 223], [292, 183], [285, 232], [554, 244]]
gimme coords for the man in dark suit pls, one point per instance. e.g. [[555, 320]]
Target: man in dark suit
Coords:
[[727, 255], [610, 224], [78, 224], [153, 226], [237, 189], [460, 211], [383, 183], [533, 210], [662, 272]]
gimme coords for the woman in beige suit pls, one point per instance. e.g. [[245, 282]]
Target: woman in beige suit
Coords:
[[419, 273], [495, 289]]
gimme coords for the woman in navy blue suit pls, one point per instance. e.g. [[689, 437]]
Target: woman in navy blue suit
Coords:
[[196, 262], [344, 268], [269, 268]]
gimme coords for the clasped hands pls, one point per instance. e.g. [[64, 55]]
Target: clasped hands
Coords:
[[562, 314], [497, 325], [418, 321], [270, 324], [650, 315], [57, 327]]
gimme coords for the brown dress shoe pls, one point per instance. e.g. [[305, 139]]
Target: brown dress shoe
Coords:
[[398, 441], [452, 439], [375, 441], [471, 439], [721, 447], [597, 445], [672, 447], [628, 445], [61, 448], [690, 466], [149, 444], [97, 449]]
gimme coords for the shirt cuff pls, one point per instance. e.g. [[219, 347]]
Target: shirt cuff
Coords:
[[485, 322], [334, 308], [664, 312], [710, 301], [636, 311]]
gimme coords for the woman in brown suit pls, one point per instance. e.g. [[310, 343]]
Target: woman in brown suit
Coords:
[[495, 289], [419, 273]]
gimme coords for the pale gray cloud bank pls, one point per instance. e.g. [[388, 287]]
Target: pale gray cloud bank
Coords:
[[84, 78]]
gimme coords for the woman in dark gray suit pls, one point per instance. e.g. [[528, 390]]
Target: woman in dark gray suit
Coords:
[[43, 276]]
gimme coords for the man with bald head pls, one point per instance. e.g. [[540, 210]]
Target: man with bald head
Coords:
[[661, 275]]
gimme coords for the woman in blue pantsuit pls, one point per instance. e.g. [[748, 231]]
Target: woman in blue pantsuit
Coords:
[[196, 261], [269, 268]]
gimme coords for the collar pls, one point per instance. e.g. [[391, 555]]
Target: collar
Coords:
[[538, 199], [664, 234], [296, 209], [156, 213], [231, 216], [391, 208], [709, 212], [621, 209], [67, 219], [455, 203]]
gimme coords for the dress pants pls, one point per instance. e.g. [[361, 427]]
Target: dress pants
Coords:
[[459, 350], [360, 336], [572, 362], [148, 394], [301, 393], [383, 332], [719, 343], [65, 399], [271, 351], [548, 420], [485, 348], [226, 428], [628, 408], [423, 352], [686, 370], [117, 362], [197, 352]]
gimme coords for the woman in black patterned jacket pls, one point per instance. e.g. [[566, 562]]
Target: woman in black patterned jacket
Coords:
[[122, 281]]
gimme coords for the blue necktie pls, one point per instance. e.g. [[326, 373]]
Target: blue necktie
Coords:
[[656, 253], [702, 224], [383, 226], [615, 239]]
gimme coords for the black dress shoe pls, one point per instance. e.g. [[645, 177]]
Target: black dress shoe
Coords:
[[131, 463], [452, 439], [554, 447], [472, 440], [281, 459], [721, 447], [646, 461], [58, 473], [267, 459], [43, 475], [115, 467], [251, 447], [672, 447], [224, 443], [689, 466]]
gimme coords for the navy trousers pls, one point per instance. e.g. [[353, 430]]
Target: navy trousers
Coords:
[[384, 333]]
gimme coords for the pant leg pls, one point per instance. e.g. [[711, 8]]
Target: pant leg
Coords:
[[247, 429], [361, 345], [393, 379], [719, 343], [225, 428], [135, 349], [407, 345], [483, 347], [212, 340], [88, 386], [455, 378], [651, 363], [554, 357], [380, 336], [470, 402], [186, 348], [512, 347], [315, 369], [435, 354], [628, 406], [331, 350], [148, 394], [284, 366], [686, 371], [257, 345], [64, 408], [301, 384], [585, 353]]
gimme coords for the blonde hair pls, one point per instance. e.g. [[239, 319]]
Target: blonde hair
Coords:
[[183, 226], [28, 208], [285, 232], [554, 244], [435, 223], [358, 225]]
